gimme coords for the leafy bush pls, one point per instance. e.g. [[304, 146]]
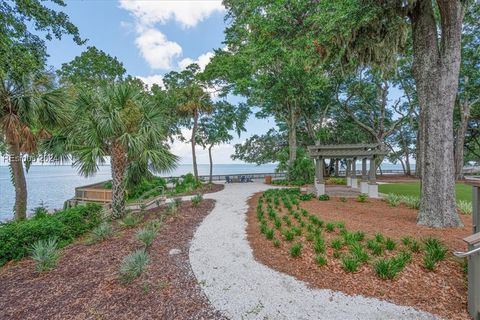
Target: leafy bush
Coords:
[[411, 201], [465, 207], [330, 227], [319, 245], [197, 200], [133, 265], [336, 244], [390, 244], [389, 268], [45, 253], [147, 188], [288, 235], [376, 247], [321, 260], [269, 234], [16, 237], [324, 197], [296, 250], [101, 232], [336, 180], [307, 196], [131, 219], [276, 243], [379, 238], [393, 199], [154, 225], [435, 251], [357, 251], [186, 183], [362, 197], [350, 263], [146, 235]]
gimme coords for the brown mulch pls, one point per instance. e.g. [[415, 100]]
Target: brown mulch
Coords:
[[204, 189], [85, 283], [442, 292]]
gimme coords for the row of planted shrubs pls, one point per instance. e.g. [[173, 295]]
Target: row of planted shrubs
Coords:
[[17, 237], [281, 217], [394, 200]]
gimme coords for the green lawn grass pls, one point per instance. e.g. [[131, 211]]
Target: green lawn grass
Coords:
[[463, 191]]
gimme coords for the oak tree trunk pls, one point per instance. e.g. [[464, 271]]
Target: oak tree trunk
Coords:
[[193, 143], [19, 181], [436, 69], [460, 140], [118, 161]]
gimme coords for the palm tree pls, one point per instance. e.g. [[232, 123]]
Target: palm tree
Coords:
[[119, 120], [29, 109]]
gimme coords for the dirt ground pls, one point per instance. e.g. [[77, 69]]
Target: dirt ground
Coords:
[[85, 283], [442, 292]]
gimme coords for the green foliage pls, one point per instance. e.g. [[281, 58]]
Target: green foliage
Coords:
[[465, 207], [376, 247], [393, 199], [307, 196], [45, 253], [389, 268], [296, 249], [350, 263], [276, 243], [380, 238], [147, 188], [186, 183], [288, 235], [324, 197], [319, 245], [321, 260], [435, 251], [133, 265], [362, 197], [131, 219], [336, 181], [390, 244], [196, 200], [330, 226], [357, 251], [16, 237], [269, 234], [101, 232], [336, 244], [146, 236], [153, 225], [411, 202]]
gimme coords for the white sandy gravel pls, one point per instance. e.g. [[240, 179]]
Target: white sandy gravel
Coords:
[[242, 288]]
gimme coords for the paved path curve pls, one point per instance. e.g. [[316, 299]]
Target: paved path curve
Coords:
[[243, 288]]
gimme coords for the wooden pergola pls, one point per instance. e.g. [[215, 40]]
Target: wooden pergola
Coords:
[[350, 153]]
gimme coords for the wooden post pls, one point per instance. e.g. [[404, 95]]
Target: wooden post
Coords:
[[476, 207], [473, 303], [320, 170]]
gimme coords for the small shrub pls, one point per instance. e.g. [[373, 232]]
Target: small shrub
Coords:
[[435, 251], [350, 264], [296, 231], [343, 199], [177, 201], [341, 225], [133, 265], [336, 244], [379, 238], [146, 236], [411, 201], [336, 254], [376, 247], [306, 196], [196, 200], [131, 219], [390, 244], [101, 232], [288, 235], [330, 227], [407, 241], [429, 263], [321, 260], [324, 197], [276, 243], [362, 197], [278, 223], [319, 245], [310, 236], [393, 199], [269, 234], [415, 246], [45, 253], [359, 253], [389, 268], [296, 250], [465, 207], [154, 225]]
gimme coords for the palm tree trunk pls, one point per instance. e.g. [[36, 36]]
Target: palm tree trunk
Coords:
[[193, 142], [118, 161], [19, 181], [211, 162]]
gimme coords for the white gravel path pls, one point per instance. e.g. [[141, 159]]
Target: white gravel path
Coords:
[[243, 288]]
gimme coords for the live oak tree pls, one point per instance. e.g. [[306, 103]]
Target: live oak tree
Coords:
[[118, 120]]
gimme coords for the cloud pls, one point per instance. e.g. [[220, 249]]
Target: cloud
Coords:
[[202, 60], [187, 13], [156, 49], [151, 80]]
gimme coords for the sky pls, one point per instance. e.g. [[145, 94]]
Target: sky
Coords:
[[152, 38]]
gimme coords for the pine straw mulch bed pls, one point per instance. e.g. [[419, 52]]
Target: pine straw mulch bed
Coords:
[[85, 283], [442, 292]]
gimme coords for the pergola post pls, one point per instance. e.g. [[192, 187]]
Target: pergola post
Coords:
[[364, 181], [354, 181], [337, 173], [319, 181], [372, 179], [347, 173]]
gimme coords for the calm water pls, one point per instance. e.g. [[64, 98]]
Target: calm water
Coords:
[[55, 184]]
